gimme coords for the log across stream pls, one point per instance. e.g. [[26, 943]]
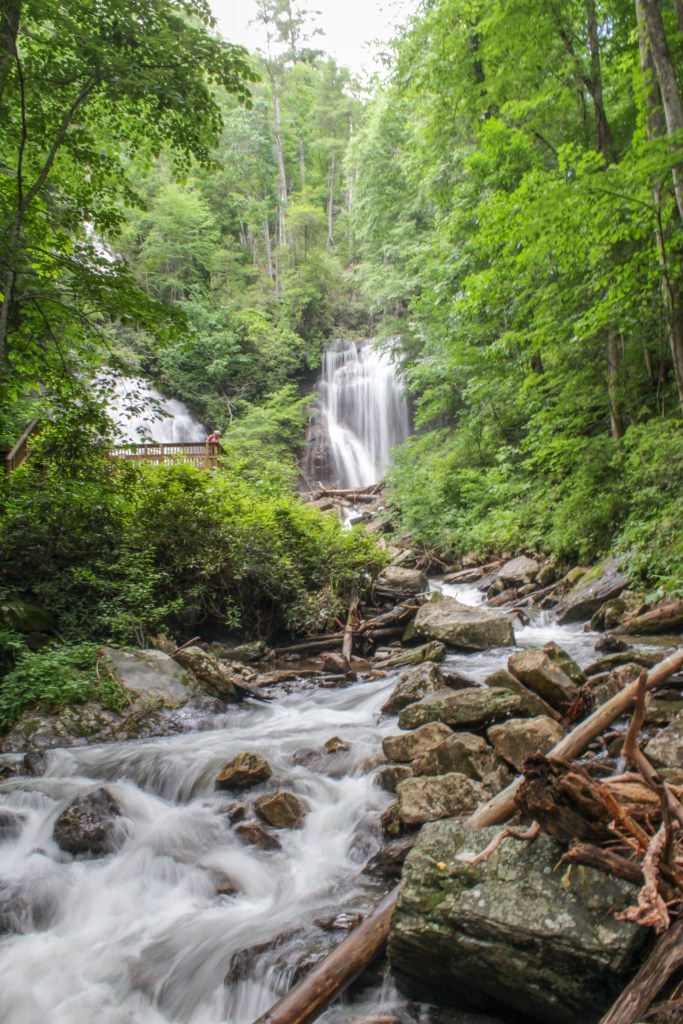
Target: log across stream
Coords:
[[149, 934]]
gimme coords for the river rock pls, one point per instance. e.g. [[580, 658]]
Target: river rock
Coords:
[[412, 685], [88, 826], [665, 750], [459, 626], [512, 934], [406, 746], [15, 911], [152, 674], [243, 771], [522, 737], [602, 583], [215, 676], [389, 776], [427, 798], [538, 673], [281, 810], [11, 824], [518, 571], [397, 581], [253, 832], [468, 754], [565, 661], [461, 707], [388, 861], [531, 704]]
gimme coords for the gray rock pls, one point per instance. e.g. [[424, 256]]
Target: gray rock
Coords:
[[243, 771], [427, 798], [511, 934], [11, 824], [397, 580], [389, 776], [414, 684], [461, 707], [565, 662], [531, 704], [468, 754], [518, 570], [522, 737], [544, 677], [387, 863], [408, 745], [88, 826], [665, 750], [602, 583], [281, 810], [151, 674], [213, 675], [459, 626]]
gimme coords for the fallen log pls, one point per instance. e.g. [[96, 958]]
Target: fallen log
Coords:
[[575, 742], [310, 646], [666, 958], [349, 492], [604, 860], [659, 620]]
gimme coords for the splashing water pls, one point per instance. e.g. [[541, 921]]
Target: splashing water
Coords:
[[143, 414]]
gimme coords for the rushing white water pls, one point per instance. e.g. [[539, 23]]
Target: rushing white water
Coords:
[[140, 936], [364, 413], [143, 414]]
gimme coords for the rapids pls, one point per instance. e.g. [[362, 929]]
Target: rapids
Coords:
[[140, 936]]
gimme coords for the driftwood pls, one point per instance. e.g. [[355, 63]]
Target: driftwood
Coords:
[[575, 742], [659, 620], [604, 860], [566, 802], [347, 643], [666, 958]]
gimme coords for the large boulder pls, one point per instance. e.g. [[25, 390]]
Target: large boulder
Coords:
[[243, 771], [414, 684], [89, 825], [457, 625], [214, 676], [665, 750], [602, 583], [468, 754], [522, 737], [538, 673], [565, 661], [532, 704], [512, 934], [389, 776], [281, 810], [152, 674], [518, 571], [396, 581], [406, 746], [427, 798], [462, 707]]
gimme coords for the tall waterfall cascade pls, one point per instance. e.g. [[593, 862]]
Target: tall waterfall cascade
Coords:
[[143, 414], [363, 413]]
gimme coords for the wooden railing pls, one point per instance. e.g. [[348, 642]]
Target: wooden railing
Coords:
[[19, 453], [200, 453]]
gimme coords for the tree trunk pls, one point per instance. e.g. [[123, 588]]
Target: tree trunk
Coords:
[[10, 16], [302, 163], [269, 250], [281, 174], [595, 85], [678, 8], [330, 201], [613, 384], [665, 959]]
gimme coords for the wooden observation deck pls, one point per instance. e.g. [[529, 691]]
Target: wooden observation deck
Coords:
[[200, 453]]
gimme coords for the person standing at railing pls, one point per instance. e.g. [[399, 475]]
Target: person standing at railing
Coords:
[[214, 439]]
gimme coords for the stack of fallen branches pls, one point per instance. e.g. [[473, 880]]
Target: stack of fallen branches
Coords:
[[630, 826]]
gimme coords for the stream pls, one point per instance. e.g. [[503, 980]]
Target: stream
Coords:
[[141, 936]]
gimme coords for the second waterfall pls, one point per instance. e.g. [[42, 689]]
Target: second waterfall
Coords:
[[363, 413]]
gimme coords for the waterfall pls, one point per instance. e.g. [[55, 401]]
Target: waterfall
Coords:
[[143, 414], [363, 413]]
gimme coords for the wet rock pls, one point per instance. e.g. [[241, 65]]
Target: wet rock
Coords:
[[243, 771], [390, 775], [11, 824], [609, 615], [522, 737], [611, 644], [538, 673], [396, 581], [234, 812], [461, 708], [341, 923], [511, 934], [281, 810], [565, 661], [405, 747], [467, 754], [502, 598], [665, 750], [531, 704], [34, 763], [209, 671], [549, 572], [253, 832], [391, 822], [601, 689], [459, 626], [254, 651], [417, 682], [428, 798], [336, 745], [15, 911], [223, 884], [89, 825], [602, 583], [628, 655], [388, 861], [518, 571], [433, 651]]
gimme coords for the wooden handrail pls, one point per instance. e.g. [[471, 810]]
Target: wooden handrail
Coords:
[[19, 452]]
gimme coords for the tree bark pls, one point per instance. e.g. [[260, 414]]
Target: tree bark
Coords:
[[330, 201], [665, 959], [615, 416], [10, 16], [281, 174], [595, 85]]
